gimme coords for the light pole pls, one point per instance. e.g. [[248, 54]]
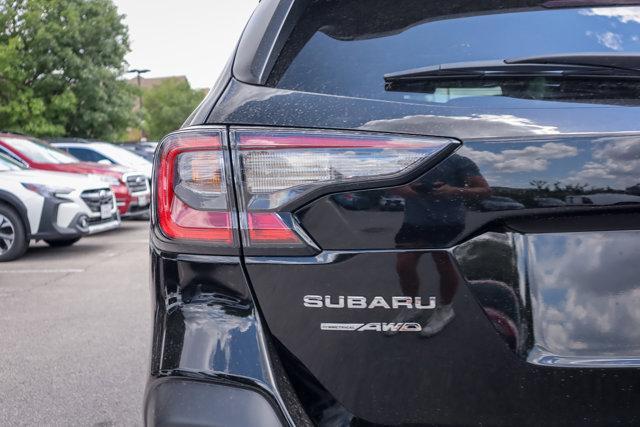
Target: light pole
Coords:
[[139, 71]]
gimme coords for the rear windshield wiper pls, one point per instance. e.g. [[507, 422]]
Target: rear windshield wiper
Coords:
[[588, 65], [617, 60]]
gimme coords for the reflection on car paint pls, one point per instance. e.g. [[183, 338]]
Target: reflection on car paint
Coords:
[[210, 328], [553, 297], [483, 184]]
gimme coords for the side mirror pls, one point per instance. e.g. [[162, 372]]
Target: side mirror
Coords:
[[105, 162]]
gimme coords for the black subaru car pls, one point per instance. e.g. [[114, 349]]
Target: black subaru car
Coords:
[[405, 212]]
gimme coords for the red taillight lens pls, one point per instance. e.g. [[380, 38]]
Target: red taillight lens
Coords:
[[268, 227], [193, 202]]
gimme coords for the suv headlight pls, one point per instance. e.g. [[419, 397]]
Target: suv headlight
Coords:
[[47, 191]]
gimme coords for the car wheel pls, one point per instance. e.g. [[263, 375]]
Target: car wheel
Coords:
[[62, 243], [13, 237]]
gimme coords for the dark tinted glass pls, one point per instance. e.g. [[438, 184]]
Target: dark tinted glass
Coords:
[[86, 155], [346, 47]]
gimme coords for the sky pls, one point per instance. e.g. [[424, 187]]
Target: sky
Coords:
[[184, 37]]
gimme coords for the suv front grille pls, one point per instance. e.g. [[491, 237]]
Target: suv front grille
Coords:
[[95, 198], [136, 183]]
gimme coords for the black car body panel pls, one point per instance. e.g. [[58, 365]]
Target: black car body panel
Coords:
[[243, 104], [373, 228], [196, 300], [206, 328], [527, 230], [405, 379], [209, 403]]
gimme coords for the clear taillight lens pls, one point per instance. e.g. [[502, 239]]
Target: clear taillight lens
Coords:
[[192, 198], [277, 168]]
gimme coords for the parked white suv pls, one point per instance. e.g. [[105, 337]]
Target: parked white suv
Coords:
[[56, 207]]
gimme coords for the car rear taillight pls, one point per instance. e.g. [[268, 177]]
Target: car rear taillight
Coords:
[[192, 198], [275, 172]]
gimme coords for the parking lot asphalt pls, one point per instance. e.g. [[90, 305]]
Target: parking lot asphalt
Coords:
[[75, 332]]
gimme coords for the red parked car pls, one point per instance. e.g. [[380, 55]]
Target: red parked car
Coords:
[[130, 187]]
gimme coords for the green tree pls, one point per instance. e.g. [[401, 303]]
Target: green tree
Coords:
[[60, 68], [167, 105]]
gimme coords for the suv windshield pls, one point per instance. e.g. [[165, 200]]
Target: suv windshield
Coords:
[[7, 164], [328, 53], [39, 151]]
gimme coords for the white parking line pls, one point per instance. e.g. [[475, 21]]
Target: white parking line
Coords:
[[42, 271]]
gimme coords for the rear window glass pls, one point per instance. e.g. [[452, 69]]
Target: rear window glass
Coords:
[[346, 47]]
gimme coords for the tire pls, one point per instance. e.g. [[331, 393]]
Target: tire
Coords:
[[13, 236], [62, 243]]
